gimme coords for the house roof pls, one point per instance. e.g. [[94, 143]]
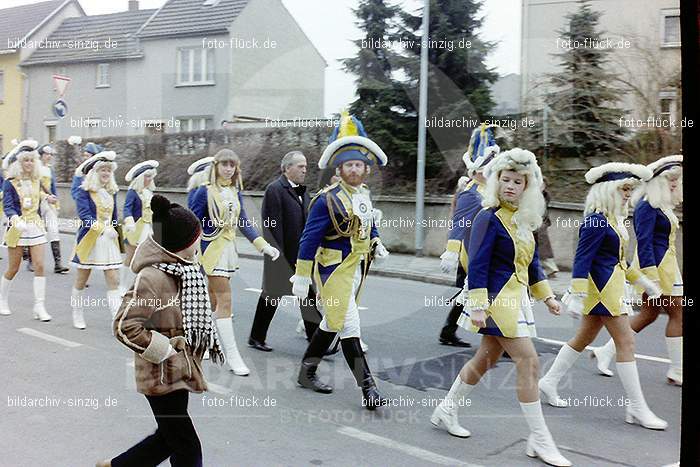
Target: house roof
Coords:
[[82, 39], [19, 22], [192, 17]]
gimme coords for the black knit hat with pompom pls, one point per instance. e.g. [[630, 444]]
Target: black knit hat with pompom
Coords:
[[174, 227]]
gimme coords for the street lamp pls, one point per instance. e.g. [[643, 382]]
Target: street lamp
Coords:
[[422, 115]]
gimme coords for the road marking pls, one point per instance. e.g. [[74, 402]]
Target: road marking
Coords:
[[250, 289], [48, 337], [218, 389], [362, 308], [590, 347], [405, 448]]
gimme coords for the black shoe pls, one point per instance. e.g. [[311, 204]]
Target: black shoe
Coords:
[[259, 345], [309, 363], [56, 250], [308, 379], [352, 350], [454, 341], [59, 269]]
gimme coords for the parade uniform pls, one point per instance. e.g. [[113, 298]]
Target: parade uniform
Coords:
[[336, 248], [138, 216], [467, 206], [48, 211], [78, 177], [197, 173], [504, 266], [220, 209]]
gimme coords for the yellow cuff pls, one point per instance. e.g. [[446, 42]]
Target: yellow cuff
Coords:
[[478, 298], [579, 286], [304, 267], [652, 272], [541, 290], [454, 246], [633, 274], [259, 243]]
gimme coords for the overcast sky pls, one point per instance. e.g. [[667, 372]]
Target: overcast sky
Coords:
[[331, 26]]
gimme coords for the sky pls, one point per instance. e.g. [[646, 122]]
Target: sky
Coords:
[[333, 35]]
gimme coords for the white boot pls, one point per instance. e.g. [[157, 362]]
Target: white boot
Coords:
[[548, 384], [604, 356], [446, 412], [540, 443], [4, 292], [76, 298], [637, 411], [40, 312], [675, 353], [114, 301], [228, 340]]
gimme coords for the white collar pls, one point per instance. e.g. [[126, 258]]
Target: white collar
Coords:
[[294, 185]]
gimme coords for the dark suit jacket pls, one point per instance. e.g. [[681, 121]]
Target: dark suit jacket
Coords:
[[284, 217]]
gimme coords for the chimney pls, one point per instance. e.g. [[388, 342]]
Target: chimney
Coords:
[[133, 5]]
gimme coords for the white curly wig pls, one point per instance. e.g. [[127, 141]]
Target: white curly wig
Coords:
[[531, 205], [26, 149], [657, 191], [92, 179], [604, 196]]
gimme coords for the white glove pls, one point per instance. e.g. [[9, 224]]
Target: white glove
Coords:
[[300, 286], [450, 260], [377, 215], [574, 304], [380, 252], [110, 233], [19, 224], [271, 251], [129, 225], [650, 287]]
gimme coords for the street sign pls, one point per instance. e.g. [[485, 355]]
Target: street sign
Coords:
[[60, 83], [60, 108]]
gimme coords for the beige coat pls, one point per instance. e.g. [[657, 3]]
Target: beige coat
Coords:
[[149, 321]]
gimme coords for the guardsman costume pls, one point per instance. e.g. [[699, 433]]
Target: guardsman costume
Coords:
[[336, 248], [655, 227], [50, 212], [482, 149], [598, 279], [22, 197]]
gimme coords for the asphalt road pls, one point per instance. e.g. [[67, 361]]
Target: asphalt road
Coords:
[[69, 396]]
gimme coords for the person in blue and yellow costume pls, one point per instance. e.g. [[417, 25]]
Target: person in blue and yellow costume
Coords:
[[97, 242], [198, 177], [88, 151], [49, 212], [598, 285], [482, 149], [22, 196], [338, 243], [137, 213], [503, 272], [655, 226], [219, 206]]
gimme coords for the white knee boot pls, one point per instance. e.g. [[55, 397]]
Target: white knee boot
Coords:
[[548, 384], [675, 353], [39, 295], [4, 292], [446, 413], [604, 356], [76, 298], [228, 340], [540, 443], [637, 411]]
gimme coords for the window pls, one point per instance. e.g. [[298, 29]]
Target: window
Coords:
[[670, 28], [667, 105], [2, 86], [194, 123], [195, 66], [102, 80], [50, 132]]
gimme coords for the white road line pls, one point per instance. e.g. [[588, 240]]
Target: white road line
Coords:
[[218, 389], [48, 337], [362, 308], [405, 448], [639, 356], [250, 289]]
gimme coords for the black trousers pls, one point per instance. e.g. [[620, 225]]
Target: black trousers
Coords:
[[175, 437], [265, 311]]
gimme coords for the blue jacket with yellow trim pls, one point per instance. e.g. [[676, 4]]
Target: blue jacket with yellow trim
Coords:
[[320, 232], [10, 199], [199, 205], [492, 260], [600, 267], [653, 231], [132, 205], [466, 208], [75, 186], [87, 212]]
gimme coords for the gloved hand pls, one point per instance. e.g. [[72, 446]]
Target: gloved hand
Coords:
[[110, 233], [650, 287], [380, 252], [450, 260], [574, 304], [129, 225], [300, 286], [20, 224], [271, 251]]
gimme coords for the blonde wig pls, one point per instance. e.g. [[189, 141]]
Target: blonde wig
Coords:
[[137, 183], [92, 179], [531, 205], [657, 191], [604, 196], [15, 168]]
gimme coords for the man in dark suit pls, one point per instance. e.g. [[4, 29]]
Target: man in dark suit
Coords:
[[284, 211]]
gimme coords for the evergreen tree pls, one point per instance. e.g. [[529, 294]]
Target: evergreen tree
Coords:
[[583, 119]]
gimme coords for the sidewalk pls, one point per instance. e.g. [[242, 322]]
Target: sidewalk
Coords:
[[401, 266]]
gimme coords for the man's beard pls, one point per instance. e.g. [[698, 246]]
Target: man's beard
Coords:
[[351, 179]]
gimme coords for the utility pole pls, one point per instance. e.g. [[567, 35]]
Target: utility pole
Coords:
[[422, 115]]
